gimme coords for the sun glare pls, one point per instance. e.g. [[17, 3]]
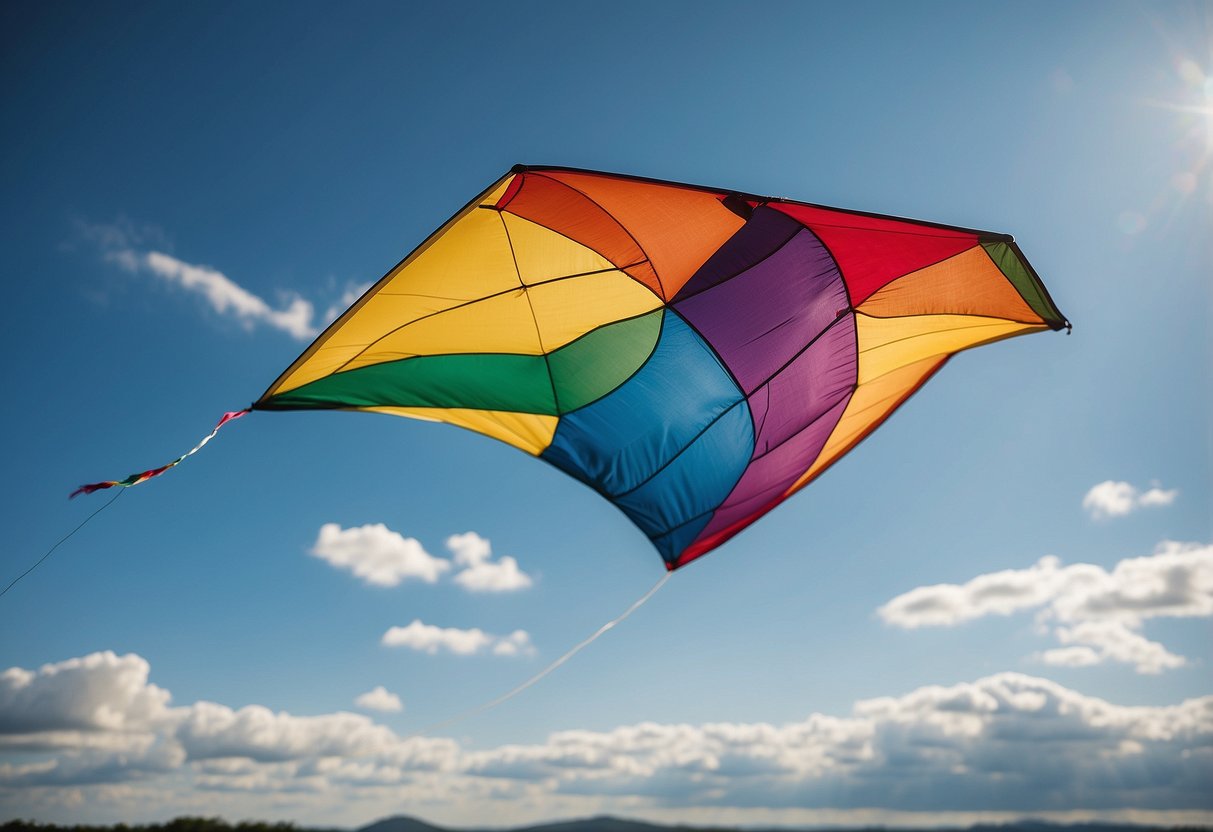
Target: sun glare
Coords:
[[1200, 94], [1192, 103]]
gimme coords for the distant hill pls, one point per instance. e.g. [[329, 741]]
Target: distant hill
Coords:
[[402, 823], [600, 824], [607, 823]]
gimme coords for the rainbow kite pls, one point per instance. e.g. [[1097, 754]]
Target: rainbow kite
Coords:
[[695, 355]]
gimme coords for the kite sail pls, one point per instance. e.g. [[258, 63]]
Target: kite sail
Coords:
[[695, 355]]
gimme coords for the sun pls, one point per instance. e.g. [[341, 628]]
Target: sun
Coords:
[[1192, 101], [1199, 86]]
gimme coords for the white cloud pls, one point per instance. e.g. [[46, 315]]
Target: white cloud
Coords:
[[123, 233], [223, 294], [997, 593], [1116, 499], [1097, 614], [1071, 657], [1125, 646], [101, 692], [380, 699], [1023, 744], [377, 555], [470, 549], [480, 572], [383, 557], [428, 638], [142, 249], [256, 733], [1117, 641], [517, 643]]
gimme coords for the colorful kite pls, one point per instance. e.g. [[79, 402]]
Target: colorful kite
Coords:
[[695, 355]]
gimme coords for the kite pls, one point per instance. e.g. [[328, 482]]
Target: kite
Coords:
[[695, 355]]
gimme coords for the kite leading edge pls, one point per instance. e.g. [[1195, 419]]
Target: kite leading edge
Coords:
[[695, 355]]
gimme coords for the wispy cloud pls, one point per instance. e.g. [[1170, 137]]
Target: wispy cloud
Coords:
[[222, 294], [1097, 614], [380, 698], [145, 249], [480, 572], [351, 294], [428, 638], [1116, 499], [377, 555], [225, 296], [953, 748]]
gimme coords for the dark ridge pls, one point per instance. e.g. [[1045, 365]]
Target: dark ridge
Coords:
[[403, 823], [604, 823]]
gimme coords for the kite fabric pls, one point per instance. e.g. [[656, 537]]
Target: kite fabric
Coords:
[[695, 355]]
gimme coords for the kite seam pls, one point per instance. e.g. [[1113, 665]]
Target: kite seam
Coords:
[[464, 305], [274, 404], [993, 237], [754, 265], [925, 334], [505, 209], [592, 201], [847, 393], [779, 488], [547, 361], [1040, 324], [851, 311], [873, 428], [744, 398], [358, 304]]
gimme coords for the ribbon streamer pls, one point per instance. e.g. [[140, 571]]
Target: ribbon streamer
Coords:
[[135, 479]]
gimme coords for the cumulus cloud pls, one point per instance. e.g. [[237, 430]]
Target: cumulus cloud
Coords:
[[1095, 641], [101, 692], [380, 699], [428, 638], [102, 721], [211, 731], [1116, 499], [1008, 741], [1098, 615], [383, 557], [480, 572], [377, 555]]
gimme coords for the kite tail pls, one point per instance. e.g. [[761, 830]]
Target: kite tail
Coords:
[[573, 651], [135, 479]]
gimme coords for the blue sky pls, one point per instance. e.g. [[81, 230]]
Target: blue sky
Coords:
[[282, 156]]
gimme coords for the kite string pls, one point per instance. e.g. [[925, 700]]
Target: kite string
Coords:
[[62, 540], [577, 648]]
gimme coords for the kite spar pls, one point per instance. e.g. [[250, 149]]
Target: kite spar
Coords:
[[695, 355]]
